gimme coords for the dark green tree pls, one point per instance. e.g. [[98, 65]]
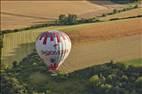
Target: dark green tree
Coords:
[[62, 19], [72, 19], [67, 20], [10, 85]]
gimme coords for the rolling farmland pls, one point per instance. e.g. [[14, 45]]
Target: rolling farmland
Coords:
[[20, 44], [49, 9], [106, 53], [18, 14], [87, 54]]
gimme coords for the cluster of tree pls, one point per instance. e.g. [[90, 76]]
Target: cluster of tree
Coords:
[[109, 78], [15, 79], [62, 20], [117, 79], [70, 19], [10, 85]]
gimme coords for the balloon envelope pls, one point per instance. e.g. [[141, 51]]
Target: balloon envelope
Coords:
[[53, 47]]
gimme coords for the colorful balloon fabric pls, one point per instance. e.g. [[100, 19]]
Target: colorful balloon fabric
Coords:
[[53, 47]]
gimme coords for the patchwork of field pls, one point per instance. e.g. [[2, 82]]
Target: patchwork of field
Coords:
[[18, 45], [46, 9], [116, 41], [18, 14]]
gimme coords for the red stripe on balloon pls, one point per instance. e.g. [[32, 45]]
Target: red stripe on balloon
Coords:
[[57, 36], [51, 66], [51, 37], [46, 35], [55, 66], [45, 40]]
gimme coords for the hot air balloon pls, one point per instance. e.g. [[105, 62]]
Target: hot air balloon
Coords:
[[53, 48]]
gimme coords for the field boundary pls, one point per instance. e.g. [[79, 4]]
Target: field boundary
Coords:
[[48, 25]]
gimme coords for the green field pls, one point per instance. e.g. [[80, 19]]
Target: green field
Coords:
[[135, 62]]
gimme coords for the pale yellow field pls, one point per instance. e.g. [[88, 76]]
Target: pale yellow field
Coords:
[[87, 54], [18, 45], [107, 30], [47, 9], [93, 43]]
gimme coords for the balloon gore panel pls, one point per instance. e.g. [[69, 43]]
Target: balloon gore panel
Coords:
[[53, 47]]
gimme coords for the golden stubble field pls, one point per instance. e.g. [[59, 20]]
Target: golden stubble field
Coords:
[[92, 43], [87, 54], [47, 9], [107, 30], [50, 10]]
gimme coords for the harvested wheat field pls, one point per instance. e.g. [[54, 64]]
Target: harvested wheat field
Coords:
[[20, 44], [87, 54], [18, 14], [107, 30], [42, 9]]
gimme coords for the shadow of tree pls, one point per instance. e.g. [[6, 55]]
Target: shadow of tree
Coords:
[[110, 2]]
